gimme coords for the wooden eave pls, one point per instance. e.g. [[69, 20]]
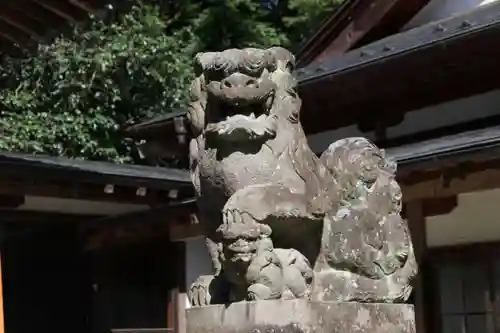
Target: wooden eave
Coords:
[[24, 23], [23, 174], [155, 127], [471, 146], [377, 83], [356, 22], [447, 166]]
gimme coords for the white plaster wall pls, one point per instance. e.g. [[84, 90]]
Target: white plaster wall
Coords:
[[476, 219], [454, 112], [439, 9], [197, 260]]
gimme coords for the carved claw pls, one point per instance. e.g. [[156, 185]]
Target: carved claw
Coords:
[[199, 292], [241, 224], [231, 216], [247, 205]]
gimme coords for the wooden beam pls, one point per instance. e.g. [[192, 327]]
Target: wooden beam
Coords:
[[450, 185], [439, 206], [82, 191], [362, 22]]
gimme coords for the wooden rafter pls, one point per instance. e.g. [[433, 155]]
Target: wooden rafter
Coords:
[[24, 27], [15, 9], [8, 38], [454, 59], [352, 22], [357, 28], [63, 9], [84, 5], [328, 30], [14, 34]]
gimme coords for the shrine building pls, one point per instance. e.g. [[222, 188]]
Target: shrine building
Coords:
[[98, 247]]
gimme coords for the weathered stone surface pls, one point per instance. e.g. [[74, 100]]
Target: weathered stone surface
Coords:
[[281, 222], [301, 316]]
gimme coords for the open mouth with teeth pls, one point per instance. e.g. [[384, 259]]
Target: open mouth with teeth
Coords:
[[244, 122], [243, 112], [242, 250]]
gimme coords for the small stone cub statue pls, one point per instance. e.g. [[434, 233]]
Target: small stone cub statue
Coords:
[[258, 271], [265, 273], [297, 273], [278, 273]]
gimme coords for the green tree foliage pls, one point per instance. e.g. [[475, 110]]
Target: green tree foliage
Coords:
[[73, 95], [304, 16]]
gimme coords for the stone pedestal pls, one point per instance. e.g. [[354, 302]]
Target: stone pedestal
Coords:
[[297, 316]]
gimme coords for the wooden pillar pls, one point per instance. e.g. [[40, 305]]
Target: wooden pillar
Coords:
[[179, 300], [2, 324], [416, 222], [3, 236]]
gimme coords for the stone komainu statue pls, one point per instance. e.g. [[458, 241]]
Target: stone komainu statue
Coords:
[[279, 221]]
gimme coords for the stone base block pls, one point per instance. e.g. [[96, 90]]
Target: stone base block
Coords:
[[301, 316]]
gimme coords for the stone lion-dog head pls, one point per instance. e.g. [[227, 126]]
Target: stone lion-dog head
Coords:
[[243, 94]]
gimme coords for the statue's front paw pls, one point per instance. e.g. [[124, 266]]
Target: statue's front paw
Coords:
[[248, 204], [237, 224], [235, 216], [199, 292]]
